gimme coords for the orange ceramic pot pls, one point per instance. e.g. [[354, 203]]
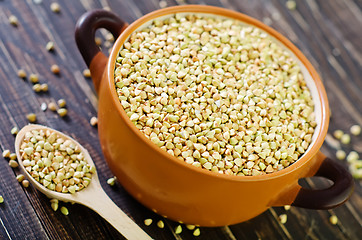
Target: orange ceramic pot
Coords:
[[185, 193]]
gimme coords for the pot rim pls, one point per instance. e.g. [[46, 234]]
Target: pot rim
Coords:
[[319, 138]]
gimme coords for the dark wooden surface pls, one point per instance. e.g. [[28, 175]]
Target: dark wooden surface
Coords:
[[329, 33]]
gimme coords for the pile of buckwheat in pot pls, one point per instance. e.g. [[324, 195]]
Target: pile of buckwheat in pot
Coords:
[[216, 93]]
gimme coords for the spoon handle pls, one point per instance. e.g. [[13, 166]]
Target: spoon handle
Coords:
[[107, 209]]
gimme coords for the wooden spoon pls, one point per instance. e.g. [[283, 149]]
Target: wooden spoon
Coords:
[[93, 196]]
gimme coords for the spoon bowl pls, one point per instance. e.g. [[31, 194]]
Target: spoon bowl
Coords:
[[92, 196]]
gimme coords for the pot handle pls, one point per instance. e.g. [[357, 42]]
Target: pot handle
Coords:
[[331, 197], [85, 31]]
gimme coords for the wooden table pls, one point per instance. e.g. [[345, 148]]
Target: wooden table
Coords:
[[328, 33]]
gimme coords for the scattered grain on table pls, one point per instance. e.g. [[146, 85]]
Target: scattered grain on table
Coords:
[[355, 169], [34, 78], [93, 121], [178, 229], [43, 106], [13, 20], [50, 46], [110, 37], [160, 224], [338, 134], [352, 156], [12, 156], [333, 219], [64, 210], [291, 5], [6, 153], [13, 164], [21, 73], [14, 130], [44, 87], [162, 4], [54, 206], [37, 87], [86, 73], [62, 103], [287, 207], [107, 44], [340, 154], [267, 21], [190, 226], [98, 41], [20, 178], [346, 138], [62, 112], [283, 218], [55, 7], [31, 117], [54, 203], [55, 69], [52, 106], [148, 221], [196, 232], [111, 181], [25, 183], [355, 130]]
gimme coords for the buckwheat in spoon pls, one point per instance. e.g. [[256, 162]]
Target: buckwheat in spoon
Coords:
[[61, 168]]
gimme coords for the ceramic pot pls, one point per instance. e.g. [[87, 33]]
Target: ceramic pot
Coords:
[[183, 192]]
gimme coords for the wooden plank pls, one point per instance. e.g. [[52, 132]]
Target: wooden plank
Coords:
[[321, 29], [4, 234], [15, 210], [264, 226]]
